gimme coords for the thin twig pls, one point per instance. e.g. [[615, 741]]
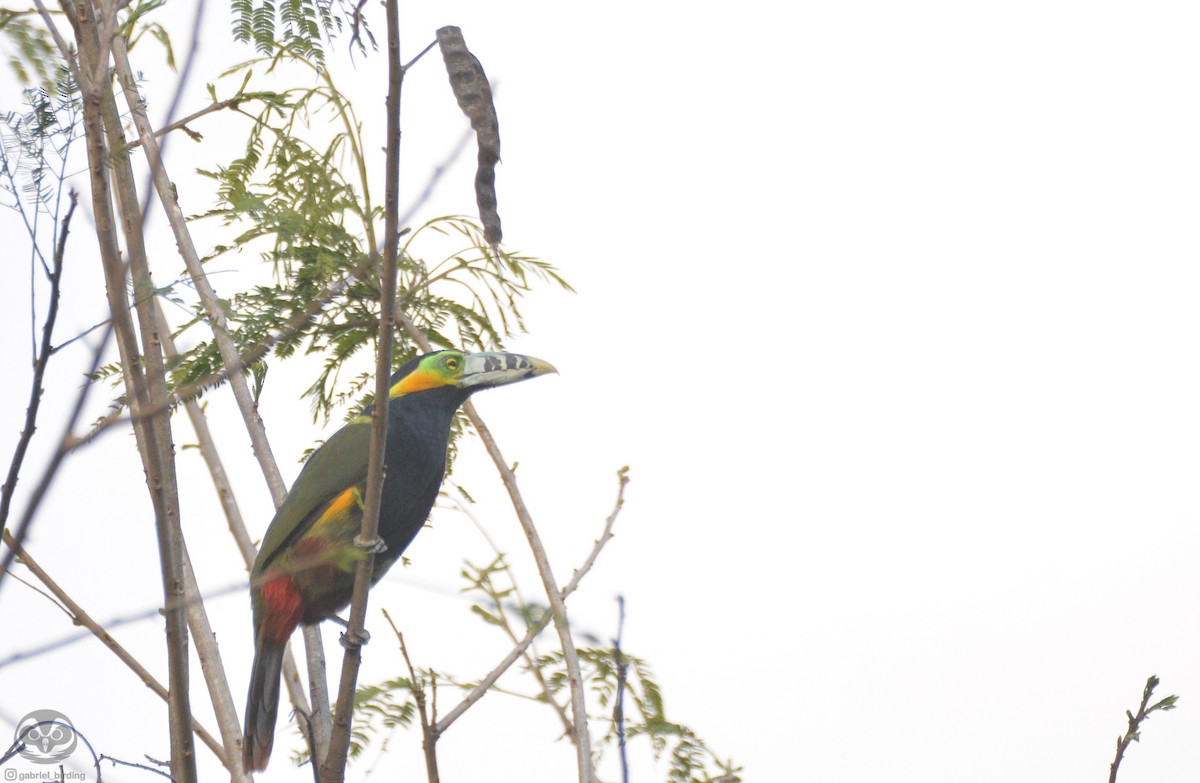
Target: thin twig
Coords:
[[39, 368], [182, 124], [214, 672], [42, 487], [622, 674], [528, 655], [181, 84], [420, 54], [81, 617], [1134, 732], [536, 627], [252, 354], [429, 739]]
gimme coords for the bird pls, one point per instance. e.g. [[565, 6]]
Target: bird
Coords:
[[304, 572]]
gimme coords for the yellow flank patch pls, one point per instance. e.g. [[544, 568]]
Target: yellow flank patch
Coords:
[[418, 380], [340, 505]]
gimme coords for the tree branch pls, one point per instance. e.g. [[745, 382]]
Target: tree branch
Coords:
[[333, 768], [538, 626], [39, 368], [81, 617], [233, 363], [182, 124], [155, 441], [429, 738], [51, 471], [237, 528], [583, 750], [214, 672], [1134, 732]]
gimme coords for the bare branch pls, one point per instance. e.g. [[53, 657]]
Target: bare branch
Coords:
[[583, 750], [39, 368], [81, 617], [429, 738], [1134, 732], [319, 720], [333, 767], [619, 702], [538, 626], [214, 672], [51, 471], [148, 386], [228, 103]]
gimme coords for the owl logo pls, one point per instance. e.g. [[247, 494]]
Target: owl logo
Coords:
[[48, 737]]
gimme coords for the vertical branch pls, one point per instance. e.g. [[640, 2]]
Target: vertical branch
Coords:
[[93, 36], [622, 675], [215, 676], [157, 443], [214, 673], [318, 719], [333, 768]]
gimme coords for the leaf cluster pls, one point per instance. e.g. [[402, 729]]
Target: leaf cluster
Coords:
[[386, 706], [34, 143], [305, 204], [607, 669], [301, 25], [33, 57]]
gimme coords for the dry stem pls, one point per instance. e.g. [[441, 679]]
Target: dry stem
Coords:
[[81, 617]]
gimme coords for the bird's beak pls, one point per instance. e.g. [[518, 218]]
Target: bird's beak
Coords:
[[492, 368]]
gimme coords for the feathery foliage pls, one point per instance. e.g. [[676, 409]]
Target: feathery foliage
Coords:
[[30, 52], [305, 202], [303, 26]]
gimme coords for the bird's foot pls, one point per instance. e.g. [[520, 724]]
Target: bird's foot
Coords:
[[353, 640], [371, 547]]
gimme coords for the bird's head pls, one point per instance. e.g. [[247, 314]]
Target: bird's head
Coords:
[[465, 372]]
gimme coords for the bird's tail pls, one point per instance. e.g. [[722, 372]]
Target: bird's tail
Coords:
[[262, 705]]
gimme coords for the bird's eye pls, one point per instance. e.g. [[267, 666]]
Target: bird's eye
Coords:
[[452, 364]]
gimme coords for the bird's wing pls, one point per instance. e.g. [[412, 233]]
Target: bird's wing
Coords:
[[340, 463]]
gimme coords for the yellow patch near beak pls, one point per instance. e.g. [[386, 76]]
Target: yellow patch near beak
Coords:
[[415, 382]]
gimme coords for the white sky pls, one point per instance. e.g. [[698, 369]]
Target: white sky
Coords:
[[891, 308]]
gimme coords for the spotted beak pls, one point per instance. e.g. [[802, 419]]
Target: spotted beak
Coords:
[[492, 368]]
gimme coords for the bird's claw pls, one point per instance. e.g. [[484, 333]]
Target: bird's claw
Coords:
[[370, 547], [352, 640]]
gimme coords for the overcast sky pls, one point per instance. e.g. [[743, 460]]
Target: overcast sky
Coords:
[[890, 307]]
